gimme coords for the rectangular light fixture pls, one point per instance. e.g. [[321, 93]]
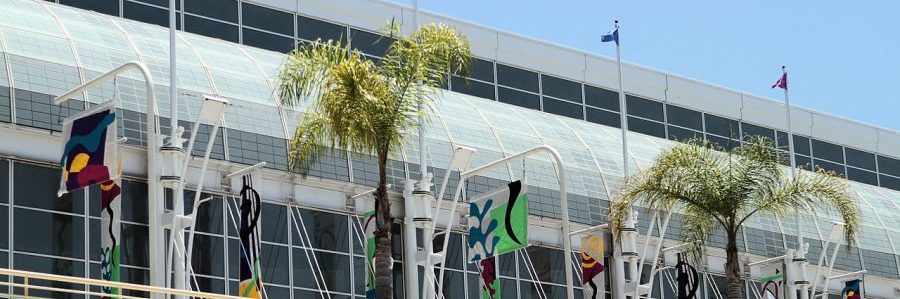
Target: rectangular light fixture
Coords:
[[461, 157], [211, 110]]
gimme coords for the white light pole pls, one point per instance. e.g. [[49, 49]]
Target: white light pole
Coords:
[[154, 199], [410, 249]]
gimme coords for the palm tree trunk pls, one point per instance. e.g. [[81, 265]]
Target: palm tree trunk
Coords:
[[732, 268], [384, 278]]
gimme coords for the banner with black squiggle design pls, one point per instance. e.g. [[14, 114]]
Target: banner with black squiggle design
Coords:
[[498, 222], [110, 237]]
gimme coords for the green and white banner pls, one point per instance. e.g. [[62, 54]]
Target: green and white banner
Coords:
[[369, 230], [498, 222]]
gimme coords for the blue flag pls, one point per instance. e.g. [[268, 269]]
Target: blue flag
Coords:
[[612, 36]]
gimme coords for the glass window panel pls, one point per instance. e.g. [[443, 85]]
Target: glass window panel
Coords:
[[563, 108], [482, 70], [226, 10], [684, 117], [135, 249], [209, 285], [267, 19], [41, 76], [828, 151], [645, 108], [561, 88], [133, 199], [889, 182], [148, 14], [209, 214], [326, 230], [48, 233], [517, 78], [336, 268], [211, 28], [862, 176], [4, 233], [782, 140], [646, 127], [519, 98], [370, 43], [838, 169], [802, 162], [110, 7], [42, 184], [313, 29], [268, 41], [545, 261], [889, 165], [860, 158], [4, 181], [722, 126], [472, 87], [722, 143], [801, 145], [274, 223], [56, 266], [5, 99], [601, 98], [680, 134], [603, 117], [29, 15], [754, 130]]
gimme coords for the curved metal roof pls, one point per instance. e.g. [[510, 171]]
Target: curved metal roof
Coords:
[[50, 49]]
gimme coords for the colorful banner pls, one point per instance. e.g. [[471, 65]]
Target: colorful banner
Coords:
[[111, 227], [250, 280], [771, 282], [498, 222], [488, 279], [90, 154], [852, 289], [592, 279], [687, 278], [369, 231]]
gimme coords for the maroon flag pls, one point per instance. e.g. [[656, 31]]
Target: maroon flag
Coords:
[[782, 82]]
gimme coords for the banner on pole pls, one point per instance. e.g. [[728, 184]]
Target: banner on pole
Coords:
[[111, 227], [251, 285], [687, 278], [771, 282], [592, 279], [369, 231], [498, 222], [90, 154], [853, 289], [488, 280]]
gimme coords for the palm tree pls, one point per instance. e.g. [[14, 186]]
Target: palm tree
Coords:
[[720, 188], [369, 108]]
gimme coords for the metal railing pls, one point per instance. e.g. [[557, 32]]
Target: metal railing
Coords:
[[31, 285]]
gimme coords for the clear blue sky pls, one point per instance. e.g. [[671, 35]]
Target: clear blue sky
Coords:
[[843, 56]]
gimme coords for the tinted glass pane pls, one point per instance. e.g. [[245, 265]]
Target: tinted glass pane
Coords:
[[684, 117], [862, 176], [209, 214], [336, 270], [889, 165], [226, 10], [147, 14], [135, 245], [472, 87], [754, 130], [838, 169], [4, 181], [544, 262], [42, 185], [644, 108], [274, 223], [827, 151], [4, 221], [312, 29], [211, 28], [802, 162], [516, 77], [860, 158], [325, 230], [518, 98], [889, 182], [275, 263], [722, 143], [52, 266], [563, 108], [603, 117], [601, 98], [133, 201], [801, 145], [561, 88], [370, 43], [267, 19], [160, 3], [679, 134], [646, 127], [110, 7], [48, 233], [268, 41], [482, 70], [722, 126], [783, 140]]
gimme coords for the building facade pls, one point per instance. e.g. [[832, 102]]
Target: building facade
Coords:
[[513, 100]]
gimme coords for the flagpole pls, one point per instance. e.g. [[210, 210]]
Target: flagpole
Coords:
[[619, 285], [793, 174]]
